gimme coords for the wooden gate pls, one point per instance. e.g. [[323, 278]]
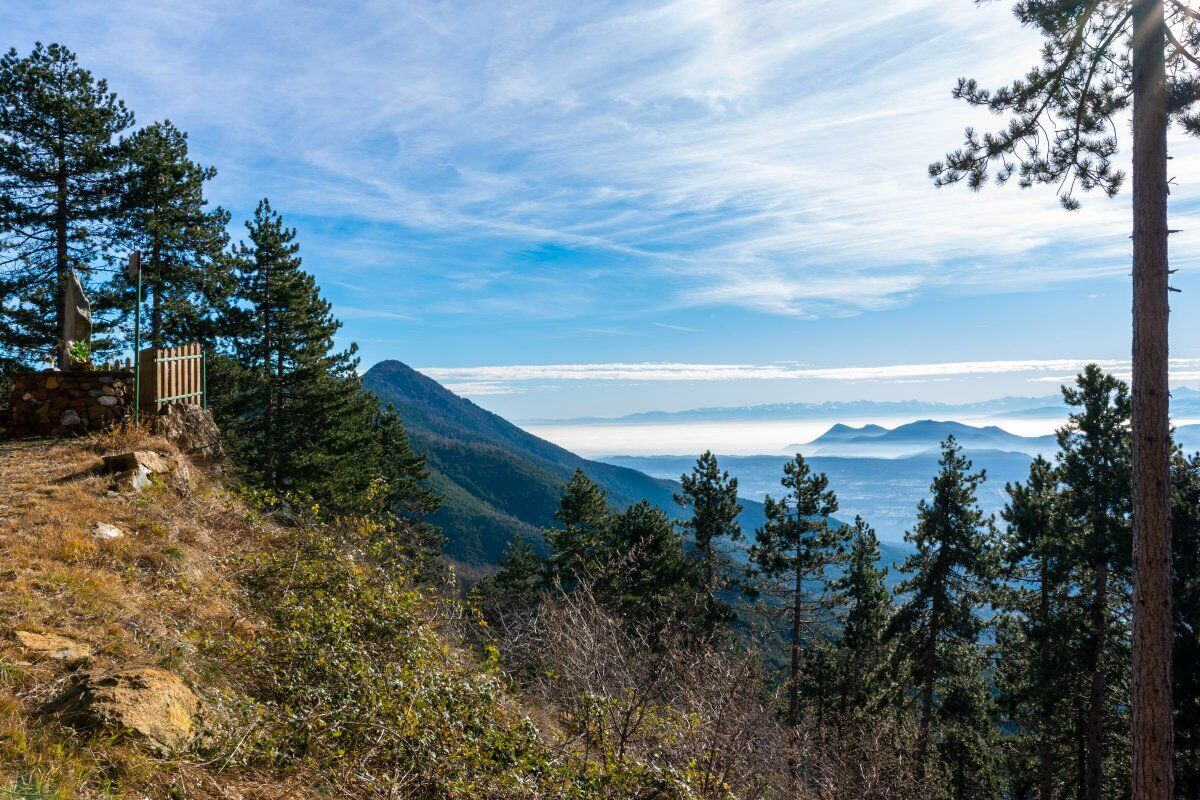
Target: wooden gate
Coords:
[[172, 375]]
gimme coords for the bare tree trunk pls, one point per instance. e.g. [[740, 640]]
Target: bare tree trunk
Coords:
[[62, 265], [1152, 725], [156, 337], [927, 670]]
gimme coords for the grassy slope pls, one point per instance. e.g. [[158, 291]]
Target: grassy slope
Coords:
[[149, 598]]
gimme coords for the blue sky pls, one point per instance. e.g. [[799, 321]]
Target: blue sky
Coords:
[[732, 191]]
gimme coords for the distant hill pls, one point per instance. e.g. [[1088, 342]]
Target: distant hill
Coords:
[[917, 437], [848, 433], [499, 481]]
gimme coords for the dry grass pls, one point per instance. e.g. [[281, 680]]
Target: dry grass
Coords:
[[146, 598]]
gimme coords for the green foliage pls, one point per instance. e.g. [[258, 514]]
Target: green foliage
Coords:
[[791, 553], [60, 161], [185, 274], [712, 496], [585, 525], [860, 653], [79, 352], [1185, 528], [937, 627]]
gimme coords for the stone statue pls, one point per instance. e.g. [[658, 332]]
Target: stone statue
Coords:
[[78, 326]]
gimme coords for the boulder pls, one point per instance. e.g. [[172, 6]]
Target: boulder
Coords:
[[69, 417], [107, 533], [192, 429], [131, 471], [150, 460], [148, 702], [53, 646]]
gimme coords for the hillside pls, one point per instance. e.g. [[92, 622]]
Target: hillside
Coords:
[[179, 642], [498, 480]]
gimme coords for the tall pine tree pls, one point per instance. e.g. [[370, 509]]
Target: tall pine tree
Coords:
[[185, 274], [712, 495], [1094, 464], [937, 628], [1037, 664], [1185, 522], [294, 410], [60, 166], [583, 515], [791, 558], [860, 654]]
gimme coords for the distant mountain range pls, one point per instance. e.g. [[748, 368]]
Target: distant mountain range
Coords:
[[499, 481], [915, 437], [1185, 403]]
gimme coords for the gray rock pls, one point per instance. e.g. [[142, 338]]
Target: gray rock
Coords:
[[192, 429], [54, 647], [107, 400], [69, 417]]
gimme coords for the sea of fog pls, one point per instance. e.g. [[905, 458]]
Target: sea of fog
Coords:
[[751, 437]]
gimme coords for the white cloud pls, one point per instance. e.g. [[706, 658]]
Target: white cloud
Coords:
[[768, 155], [510, 375]]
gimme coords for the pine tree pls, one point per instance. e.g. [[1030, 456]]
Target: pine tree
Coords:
[[937, 627], [583, 514], [295, 412], [185, 274], [1185, 522], [712, 495], [1037, 652], [792, 555], [1094, 463], [60, 162], [645, 569], [1101, 57], [861, 653], [516, 586]]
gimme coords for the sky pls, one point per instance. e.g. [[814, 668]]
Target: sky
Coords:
[[591, 209]]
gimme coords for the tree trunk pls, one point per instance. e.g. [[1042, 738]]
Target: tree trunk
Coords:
[[268, 376], [1152, 724], [62, 265], [927, 674], [1098, 690]]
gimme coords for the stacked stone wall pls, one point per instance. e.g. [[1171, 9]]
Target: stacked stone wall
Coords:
[[60, 403]]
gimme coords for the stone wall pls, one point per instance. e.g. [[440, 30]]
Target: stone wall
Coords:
[[58, 403]]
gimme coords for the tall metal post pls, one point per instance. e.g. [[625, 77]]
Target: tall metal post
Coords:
[[135, 266]]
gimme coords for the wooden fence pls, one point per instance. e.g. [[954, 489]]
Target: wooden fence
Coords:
[[172, 375], [118, 365]]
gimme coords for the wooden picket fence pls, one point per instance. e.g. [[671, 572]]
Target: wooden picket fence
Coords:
[[172, 375], [116, 365]]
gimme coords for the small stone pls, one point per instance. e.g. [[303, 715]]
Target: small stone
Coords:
[[105, 379], [94, 392], [69, 417], [108, 401], [107, 533], [53, 646], [51, 383], [28, 398]]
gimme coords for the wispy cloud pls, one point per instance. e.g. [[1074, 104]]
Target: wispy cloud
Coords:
[[765, 155], [493, 376]]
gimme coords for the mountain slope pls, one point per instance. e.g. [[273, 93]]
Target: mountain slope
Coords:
[[499, 481]]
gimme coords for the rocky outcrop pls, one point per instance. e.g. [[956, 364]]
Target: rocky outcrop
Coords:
[[191, 429], [132, 471], [148, 702]]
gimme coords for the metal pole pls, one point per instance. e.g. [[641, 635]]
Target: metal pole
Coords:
[[203, 379]]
